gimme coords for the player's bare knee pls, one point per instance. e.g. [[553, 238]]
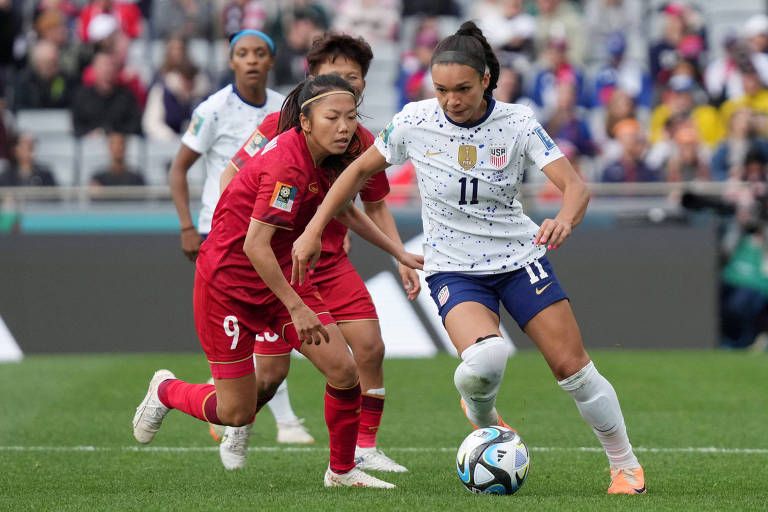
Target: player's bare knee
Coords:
[[568, 366], [370, 357], [342, 373]]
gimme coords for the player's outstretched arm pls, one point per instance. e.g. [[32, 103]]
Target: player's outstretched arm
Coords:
[[306, 248], [190, 238], [553, 232], [382, 217], [259, 251], [361, 224]]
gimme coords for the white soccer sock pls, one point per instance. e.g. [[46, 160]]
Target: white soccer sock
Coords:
[[280, 405], [478, 378], [599, 406]]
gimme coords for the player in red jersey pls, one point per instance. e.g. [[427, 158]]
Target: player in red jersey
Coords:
[[241, 285], [340, 285]]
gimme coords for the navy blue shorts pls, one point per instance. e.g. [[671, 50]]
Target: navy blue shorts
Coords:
[[524, 292]]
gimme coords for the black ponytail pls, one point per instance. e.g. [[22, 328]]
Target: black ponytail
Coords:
[[291, 109], [469, 46]]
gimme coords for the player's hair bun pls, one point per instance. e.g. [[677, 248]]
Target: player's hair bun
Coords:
[[468, 28]]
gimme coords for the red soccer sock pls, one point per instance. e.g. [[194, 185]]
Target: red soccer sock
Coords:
[[371, 409], [342, 415], [198, 400]]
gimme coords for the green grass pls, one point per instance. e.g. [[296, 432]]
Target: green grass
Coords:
[[671, 401]]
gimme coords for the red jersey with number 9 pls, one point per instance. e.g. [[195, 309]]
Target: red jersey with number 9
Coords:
[[375, 189], [280, 187]]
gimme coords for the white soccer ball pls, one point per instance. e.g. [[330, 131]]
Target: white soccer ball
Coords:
[[493, 460]]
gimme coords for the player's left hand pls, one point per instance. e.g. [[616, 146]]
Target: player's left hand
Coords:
[[411, 260], [411, 281], [305, 252], [552, 233]]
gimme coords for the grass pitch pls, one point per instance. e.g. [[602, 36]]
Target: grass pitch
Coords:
[[697, 419]]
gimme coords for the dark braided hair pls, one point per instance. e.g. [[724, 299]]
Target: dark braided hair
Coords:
[[291, 109], [469, 46]]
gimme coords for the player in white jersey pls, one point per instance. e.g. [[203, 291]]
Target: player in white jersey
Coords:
[[219, 126], [480, 249]]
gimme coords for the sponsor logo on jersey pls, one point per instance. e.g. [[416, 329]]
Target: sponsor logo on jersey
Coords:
[[539, 291], [386, 131], [467, 156], [498, 156], [283, 196], [271, 144], [442, 295], [195, 124], [434, 153], [313, 187], [545, 139], [255, 143]]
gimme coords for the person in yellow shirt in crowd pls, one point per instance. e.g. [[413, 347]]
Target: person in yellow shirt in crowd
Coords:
[[679, 100], [755, 97]]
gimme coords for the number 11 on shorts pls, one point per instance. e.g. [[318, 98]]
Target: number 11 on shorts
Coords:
[[532, 275]]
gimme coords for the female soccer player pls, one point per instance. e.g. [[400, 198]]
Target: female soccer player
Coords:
[[470, 152], [218, 127], [241, 288], [340, 285]]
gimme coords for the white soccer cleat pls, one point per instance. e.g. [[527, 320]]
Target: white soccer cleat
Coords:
[[374, 459], [294, 432], [233, 448], [151, 411], [355, 478]]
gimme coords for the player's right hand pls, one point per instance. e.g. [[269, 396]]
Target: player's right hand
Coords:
[[190, 243], [308, 326]]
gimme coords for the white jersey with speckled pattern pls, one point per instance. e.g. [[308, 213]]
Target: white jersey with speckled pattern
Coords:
[[469, 176], [219, 126]]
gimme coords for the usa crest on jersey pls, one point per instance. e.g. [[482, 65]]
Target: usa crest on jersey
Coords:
[[498, 156]]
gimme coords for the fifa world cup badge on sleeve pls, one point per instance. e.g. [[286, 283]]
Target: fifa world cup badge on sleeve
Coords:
[[545, 139], [283, 196], [195, 124], [255, 143], [386, 131]]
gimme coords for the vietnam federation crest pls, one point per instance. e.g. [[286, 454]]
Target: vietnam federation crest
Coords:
[[467, 156], [498, 156]]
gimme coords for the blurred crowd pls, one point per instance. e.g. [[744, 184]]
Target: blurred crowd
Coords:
[[632, 92]]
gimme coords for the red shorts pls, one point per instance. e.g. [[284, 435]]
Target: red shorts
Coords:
[[342, 290], [228, 328]]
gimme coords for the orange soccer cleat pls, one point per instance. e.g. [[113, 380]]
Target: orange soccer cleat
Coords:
[[627, 481], [500, 422]]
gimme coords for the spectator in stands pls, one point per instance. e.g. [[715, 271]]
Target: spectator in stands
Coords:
[[179, 87], [722, 76], [191, 18], [620, 106], [690, 158], [607, 17], [568, 121], [117, 171], [51, 26], [105, 105], [630, 166], [43, 84], [559, 19], [414, 82], [127, 14], [555, 68], [373, 20], [6, 128], [663, 54], [755, 97], [679, 100], [106, 36], [290, 63], [431, 8], [729, 157], [240, 15], [289, 12], [10, 30], [68, 9], [510, 87], [23, 170], [622, 73], [508, 28], [756, 33]]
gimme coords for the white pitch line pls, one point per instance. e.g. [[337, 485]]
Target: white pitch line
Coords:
[[187, 449]]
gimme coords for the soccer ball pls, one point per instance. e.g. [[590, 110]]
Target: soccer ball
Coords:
[[493, 460]]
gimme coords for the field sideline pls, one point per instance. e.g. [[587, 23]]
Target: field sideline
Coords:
[[698, 420]]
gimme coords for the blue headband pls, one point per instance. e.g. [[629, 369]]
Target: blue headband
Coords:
[[250, 32]]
